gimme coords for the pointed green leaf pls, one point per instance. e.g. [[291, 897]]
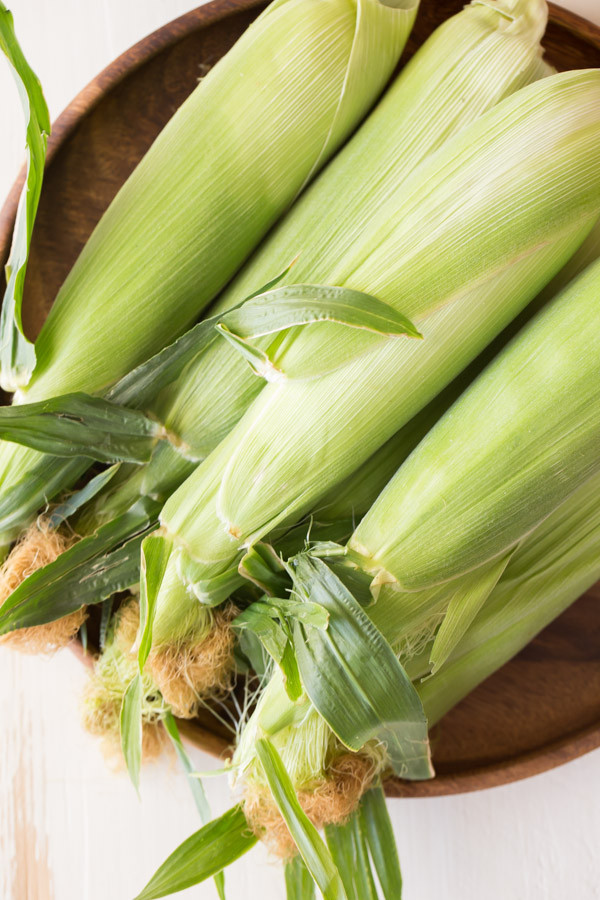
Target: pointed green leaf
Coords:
[[291, 673], [303, 305], [379, 835], [270, 634], [195, 783], [131, 729], [87, 573], [202, 855], [156, 550], [107, 608], [363, 876], [140, 386], [471, 593], [17, 354], [81, 425], [307, 304], [340, 840], [299, 884], [77, 499], [302, 610], [35, 488], [313, 850], [385, 706]]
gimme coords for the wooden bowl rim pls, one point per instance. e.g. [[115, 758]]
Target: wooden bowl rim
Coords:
[[495, 774]]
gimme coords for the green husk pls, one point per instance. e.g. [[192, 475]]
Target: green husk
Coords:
[[468, 65], [17, 355], [555, 565], [158, 251], [540, 404], [496, 171]]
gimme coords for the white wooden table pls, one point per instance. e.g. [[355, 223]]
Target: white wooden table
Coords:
[[72, 830]]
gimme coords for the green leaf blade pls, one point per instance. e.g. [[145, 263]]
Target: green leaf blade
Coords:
[[313, 850], [156, 551], [471, 593], [17, 353], [78, 424], [87, 573], [308, 304], [379, 835], [299, 884], [303, 305], [385, 706], [202, 856], [131, 729]]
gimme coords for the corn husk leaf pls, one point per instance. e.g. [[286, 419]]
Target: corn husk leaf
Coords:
[[17, 353], [87, 573], [131, 729], [140, 386], [303, 305], [196, 786], [195, 783], [74, 502], [539, 401], [155, 555], [313, 850], [81, 425], [41, 482], [105, 620], [258, 620], [340, 840], [348, 848], [466, 600], [204, 854], [375, 821], [262, 566], [385, 707], [299, 884]]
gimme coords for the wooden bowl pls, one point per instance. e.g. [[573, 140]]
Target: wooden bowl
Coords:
[[541, 709]]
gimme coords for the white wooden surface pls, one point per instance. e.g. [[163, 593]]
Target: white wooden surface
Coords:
[[70, 829]]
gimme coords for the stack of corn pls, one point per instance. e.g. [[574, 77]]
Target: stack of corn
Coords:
[[371, 475]]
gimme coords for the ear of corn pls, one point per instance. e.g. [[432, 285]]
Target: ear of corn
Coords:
[[445, 260], [469, 64], [214, 172], [209, 188], [554, 566], [540, 401]]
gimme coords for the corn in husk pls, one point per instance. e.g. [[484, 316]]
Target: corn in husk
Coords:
[[499, 216], [554, 563], [540, 402], [201, 199], [558, 563], [470, 63]]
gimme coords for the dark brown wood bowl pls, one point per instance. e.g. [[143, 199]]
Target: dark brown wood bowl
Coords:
[[541, 709]]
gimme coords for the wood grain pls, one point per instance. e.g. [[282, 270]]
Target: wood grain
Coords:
[[501, 732]]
